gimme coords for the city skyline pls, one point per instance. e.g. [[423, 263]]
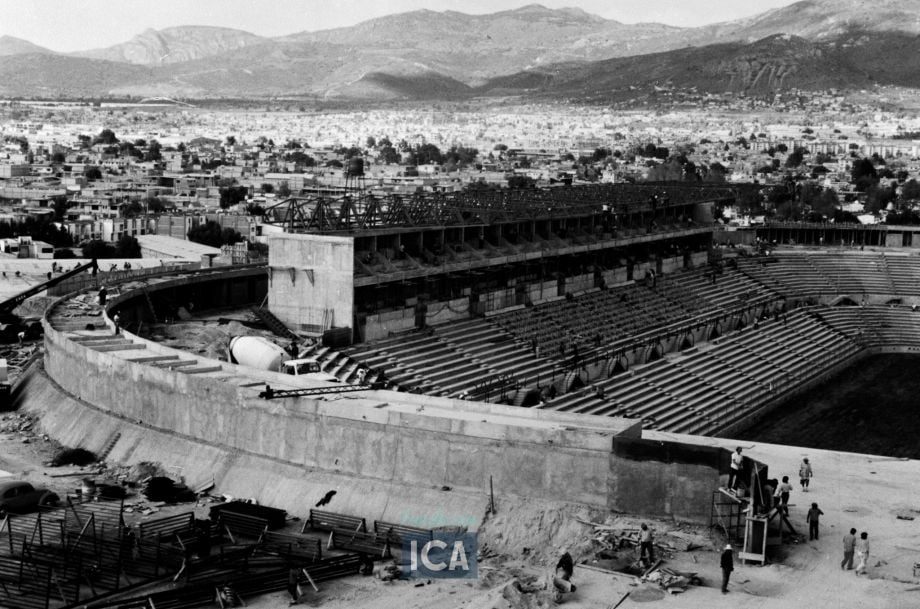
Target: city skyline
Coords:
[[70, 26]]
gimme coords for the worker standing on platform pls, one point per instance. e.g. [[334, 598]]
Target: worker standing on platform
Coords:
[[805, 474], [735, 472]]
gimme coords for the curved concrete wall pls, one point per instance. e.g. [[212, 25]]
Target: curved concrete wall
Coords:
[[389, 448]]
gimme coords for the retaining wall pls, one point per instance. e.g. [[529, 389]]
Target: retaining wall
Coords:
[[397, 443]]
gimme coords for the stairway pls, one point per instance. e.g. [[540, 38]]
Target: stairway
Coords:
[[274, 324]]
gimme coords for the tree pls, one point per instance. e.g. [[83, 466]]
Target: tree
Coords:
[[301, 158], [863, 174], [156, 205], [231, 140], [518, 181], [826, 203], [795, 158], [910, 191], [600, 154], [132, 209], [425, 154], [60, 205], [229, 236], [64, 254], [878, 197], [283, 190], [98, 249], [153, 151], [716, 173], [230, 196], [461, 156], [268, 188], [389, 155], [671, 171], [371, 141], [127, 247], [92, 173], [254, 209], [749, 201], [211, 233], [107, 137]]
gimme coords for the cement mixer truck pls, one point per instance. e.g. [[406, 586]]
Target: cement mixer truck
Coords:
[[261, 353]]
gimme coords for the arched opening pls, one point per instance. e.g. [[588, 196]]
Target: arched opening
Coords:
[[616, 365], [573, 381], [531, 398], [844, 301], [715, 331]]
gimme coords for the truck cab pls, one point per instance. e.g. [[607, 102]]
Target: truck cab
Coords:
[[307, 367]]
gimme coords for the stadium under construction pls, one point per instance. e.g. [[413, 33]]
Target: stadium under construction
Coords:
[[521, 343]]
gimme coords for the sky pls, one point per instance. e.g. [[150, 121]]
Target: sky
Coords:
[[76, 25]]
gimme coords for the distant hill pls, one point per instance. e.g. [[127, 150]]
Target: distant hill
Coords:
[[818, 20], [174, 45], [10, 45], [774, 63], [531, 50], [41, 74]]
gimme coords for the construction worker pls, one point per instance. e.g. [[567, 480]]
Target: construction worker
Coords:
[[293, 587], [734, 472], [646, 544], [727, 563], [565, 568]]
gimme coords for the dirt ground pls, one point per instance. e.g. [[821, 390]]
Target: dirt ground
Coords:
[[521, 542], [208, 335]]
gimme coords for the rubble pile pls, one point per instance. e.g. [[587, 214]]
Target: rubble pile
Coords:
[[672, 581], [23, 426]]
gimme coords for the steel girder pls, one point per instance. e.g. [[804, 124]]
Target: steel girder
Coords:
[[365, 211]]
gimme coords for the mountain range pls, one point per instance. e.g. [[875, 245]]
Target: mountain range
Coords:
[[532, 51]]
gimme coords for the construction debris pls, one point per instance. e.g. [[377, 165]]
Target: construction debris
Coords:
[[672, 581]]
